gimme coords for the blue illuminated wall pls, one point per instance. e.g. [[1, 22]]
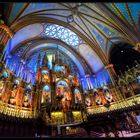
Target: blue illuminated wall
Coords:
[[101, 78], [96, 81]]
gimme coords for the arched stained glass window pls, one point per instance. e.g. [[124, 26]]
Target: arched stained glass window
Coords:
[[60, 32]]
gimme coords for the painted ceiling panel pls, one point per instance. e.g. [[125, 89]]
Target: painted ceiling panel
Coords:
[[98, 36], [78, 28], [65, 5], [108, 30], [26, 33], [122, 8], [105, 31], [33, 7], [89, 28], [110, 6], [57, 12], [59, 17], [92, 13], [72, 4], [101, 39], [17, 7], [94, 8], [81, 27], [135, 11], [92, 59]]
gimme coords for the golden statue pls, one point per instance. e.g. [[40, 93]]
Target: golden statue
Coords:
[[66, 100], [27, 102], [45, 78], [98, 99], [13, 95], [6, 94], [107, 95]]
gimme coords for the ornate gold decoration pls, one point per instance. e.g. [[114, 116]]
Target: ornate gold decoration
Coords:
[[6, 29]]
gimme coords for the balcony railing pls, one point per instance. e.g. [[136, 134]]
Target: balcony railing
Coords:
[[128, 102], [16, 111]]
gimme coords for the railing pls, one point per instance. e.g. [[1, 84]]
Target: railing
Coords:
[[23, 112], [16, 111], [128, 102]]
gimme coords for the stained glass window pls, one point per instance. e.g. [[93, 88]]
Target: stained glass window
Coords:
[[62, 33]]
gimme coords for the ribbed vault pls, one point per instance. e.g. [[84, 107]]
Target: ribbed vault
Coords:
[[98, 25]]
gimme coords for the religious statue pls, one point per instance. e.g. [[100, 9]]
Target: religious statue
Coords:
[[70, 79], [13, 94], [75, 81], [61, 85], [88, 102], [60, 71], [46, 94], [107, 94], [26, 99], [6, 93], [45, 76], [78, 98], [66, 100], [98, 99]]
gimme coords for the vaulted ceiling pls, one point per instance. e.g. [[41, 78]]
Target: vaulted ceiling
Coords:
[[97, 25]]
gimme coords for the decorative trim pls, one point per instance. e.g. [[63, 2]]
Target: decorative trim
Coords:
[[6, 29]]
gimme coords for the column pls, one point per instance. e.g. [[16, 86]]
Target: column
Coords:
[[5, 35], [88, 81], [111, 72]]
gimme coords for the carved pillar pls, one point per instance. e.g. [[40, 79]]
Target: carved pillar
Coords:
[[39, 99], [5, 35], [89, 81], [111, 72], [35, 104]]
